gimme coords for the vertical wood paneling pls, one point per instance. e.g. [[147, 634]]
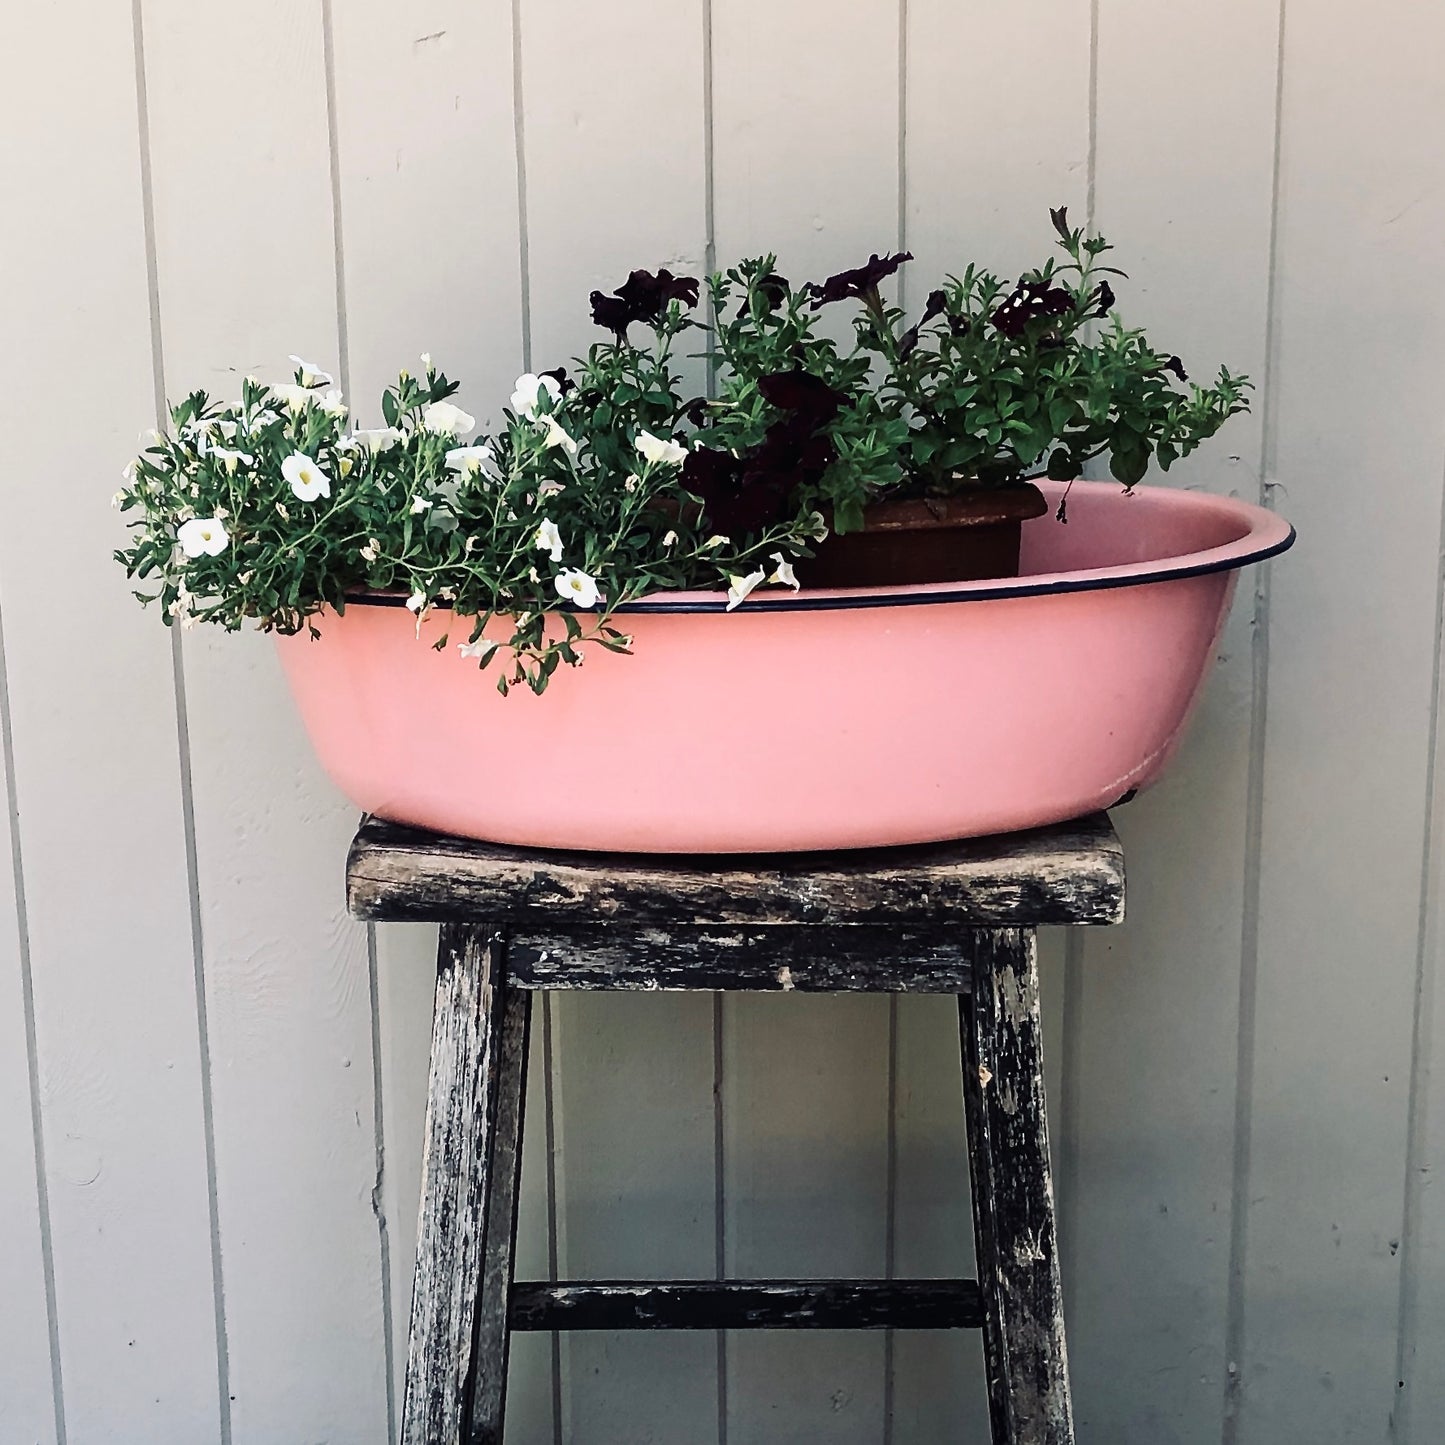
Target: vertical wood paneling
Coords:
[[431, 248], [1351, 649], [1420, 1375], [246, 266], [615, 178], [96, 778], [28, 1399], [805, 156], [1157, 1030], [975, 189]]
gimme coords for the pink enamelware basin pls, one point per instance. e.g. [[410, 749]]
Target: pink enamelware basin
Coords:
[[822, 719]]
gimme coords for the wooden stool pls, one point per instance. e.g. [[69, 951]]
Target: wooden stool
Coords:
[[949, 918]]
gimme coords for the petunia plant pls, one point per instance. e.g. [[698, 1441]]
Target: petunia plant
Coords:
[[605, 485]]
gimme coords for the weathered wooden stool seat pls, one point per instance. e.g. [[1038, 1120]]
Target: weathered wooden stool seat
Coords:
[[948, 918]]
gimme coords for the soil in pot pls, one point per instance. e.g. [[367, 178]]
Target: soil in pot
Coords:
[[962, 538]]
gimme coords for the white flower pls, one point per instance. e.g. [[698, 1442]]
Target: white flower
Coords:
[[378, 438], [128, 471], [632, 483], [660, 452], [307, 479], [231, 460], [470, 460], [202, 537], [556, 437], [369, 552], [226, 427], [716, 540], [426, 360], [116, 500], [449, 420], [574, 585], [549, 539], [481, 649], [416, 601], [550, 489], [818, 528], [311, 375], [739, 587], [294, 398], [529, 391], [419, 505], [783, 572]]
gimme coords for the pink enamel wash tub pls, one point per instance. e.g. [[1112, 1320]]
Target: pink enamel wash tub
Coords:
[[825, 719]]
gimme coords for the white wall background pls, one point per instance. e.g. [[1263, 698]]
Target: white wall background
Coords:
[[211, 1081]]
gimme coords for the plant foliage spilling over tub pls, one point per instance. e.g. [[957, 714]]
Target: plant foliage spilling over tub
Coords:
[[605, 483]]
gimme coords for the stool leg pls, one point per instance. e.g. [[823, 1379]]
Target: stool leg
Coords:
[[1013, 1195], [457, 1350]]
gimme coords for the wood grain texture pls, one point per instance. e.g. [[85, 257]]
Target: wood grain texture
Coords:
[[474, 1060], [1072, 873], [246, 272], [1013, 1196], [935, 1304], [93, 719], [851, 958], [1155, 1041]]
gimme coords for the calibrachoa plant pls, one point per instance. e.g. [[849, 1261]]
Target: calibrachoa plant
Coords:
[[605, 485]]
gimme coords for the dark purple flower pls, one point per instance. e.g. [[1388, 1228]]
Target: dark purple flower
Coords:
[[773, 289], [800, 391], [559, 375], [908, 343], [695, 410], [1060, 218], [642, 297], [936, 305], [611, 312], [860, 281], [1177, 367], [1028, 301], [1106, 298]]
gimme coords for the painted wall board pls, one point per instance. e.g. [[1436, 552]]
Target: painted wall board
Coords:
[[1352, 646], [1159, 998], [29, 1404], [247, 274], [101, 815], [613, 146], [973, 189], [805, 164]]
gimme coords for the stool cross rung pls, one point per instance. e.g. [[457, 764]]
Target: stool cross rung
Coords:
[[753, 1304]]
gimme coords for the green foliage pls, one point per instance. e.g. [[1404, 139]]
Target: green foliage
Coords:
[[599, 489]]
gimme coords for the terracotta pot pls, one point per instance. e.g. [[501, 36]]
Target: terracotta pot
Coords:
[[961, 538], [823, 719]]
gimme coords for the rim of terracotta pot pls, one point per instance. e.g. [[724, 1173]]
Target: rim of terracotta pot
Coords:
[[1265, 535]]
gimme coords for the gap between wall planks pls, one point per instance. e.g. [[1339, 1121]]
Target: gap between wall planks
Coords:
[[634, 1088], [1352, 647], [98, 815], [1159, 999], [241, 286]]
